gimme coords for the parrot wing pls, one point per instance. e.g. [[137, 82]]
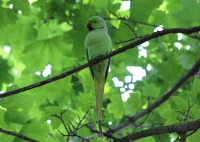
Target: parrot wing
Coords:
[[86, 52]]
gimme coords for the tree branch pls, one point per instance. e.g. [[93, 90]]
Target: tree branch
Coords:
[[189, 126], [17, 135], [72, 132], [120, 50], [143, 23]]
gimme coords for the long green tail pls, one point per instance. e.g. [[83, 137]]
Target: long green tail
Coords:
[[99, 90]]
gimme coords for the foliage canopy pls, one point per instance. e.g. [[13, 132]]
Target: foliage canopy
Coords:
[[35, 33]]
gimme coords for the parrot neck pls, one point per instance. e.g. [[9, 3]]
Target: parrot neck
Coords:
[[105, 29]]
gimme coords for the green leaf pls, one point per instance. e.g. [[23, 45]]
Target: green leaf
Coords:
[[19, 34], [147, 139], [66, 100], [53, 51], [172, 119], [2, 112], [189, 95], [86, 101], [59, 87], [113, 7], [188, 12], [35, 113], [55, 122], [138, 6], [188, 59], [116, 106], [100, 4], [120, 70], [22, 5], [48, 30], [5, 76], [194, 112], [78, 43], [35, 130], [40, 95], [52, 110], [179, 101], [169, 115], [7, 17], [195, 86], [39, 3], [158, 17], [170, 63], [194, 137], [134, 101], [151, 90], [18, 107]]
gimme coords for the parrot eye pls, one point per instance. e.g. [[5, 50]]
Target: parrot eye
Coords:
[[95, 21]]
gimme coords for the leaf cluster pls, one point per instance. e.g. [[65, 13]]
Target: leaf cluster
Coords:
[[52, 32]]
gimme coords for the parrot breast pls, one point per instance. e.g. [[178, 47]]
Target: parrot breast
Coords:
[[98, 43]]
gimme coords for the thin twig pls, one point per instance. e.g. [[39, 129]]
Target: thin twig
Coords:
[[160, 138], [136, 36], [82, 119], [91, 122], [72, 133], [62, 120], [183, 113], [187, 115], [51, 135], [193, 131]]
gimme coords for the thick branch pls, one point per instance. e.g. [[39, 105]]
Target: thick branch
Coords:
[[120, 50], [189, 126], [17, 135]]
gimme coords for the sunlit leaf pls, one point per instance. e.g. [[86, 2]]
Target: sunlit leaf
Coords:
[[22, 5], [116, 106], [151, 90]]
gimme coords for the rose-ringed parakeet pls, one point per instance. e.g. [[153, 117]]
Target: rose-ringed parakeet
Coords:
[[98, 43]]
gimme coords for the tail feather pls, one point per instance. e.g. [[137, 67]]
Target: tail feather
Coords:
[[100, 130], [99, 90]]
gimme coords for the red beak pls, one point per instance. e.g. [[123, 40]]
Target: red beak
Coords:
[[89, 25]]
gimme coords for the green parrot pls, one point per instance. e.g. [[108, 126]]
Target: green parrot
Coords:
[[98, 43]]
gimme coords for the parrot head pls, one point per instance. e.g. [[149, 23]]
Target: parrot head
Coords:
[[96, 22]]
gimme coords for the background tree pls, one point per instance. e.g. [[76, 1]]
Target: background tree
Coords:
[[48, 35]]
